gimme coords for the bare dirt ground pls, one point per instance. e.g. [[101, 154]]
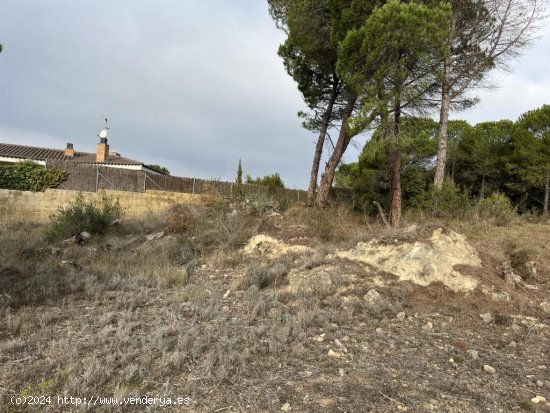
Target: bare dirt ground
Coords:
[[123, 316]]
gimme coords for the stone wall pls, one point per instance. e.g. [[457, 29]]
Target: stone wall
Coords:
[[26, 206]]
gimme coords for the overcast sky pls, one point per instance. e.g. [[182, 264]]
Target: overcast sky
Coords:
[[190, 85]]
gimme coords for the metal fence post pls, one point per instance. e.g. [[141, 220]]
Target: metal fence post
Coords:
[[97, 178], [145, 182], [193, 186]]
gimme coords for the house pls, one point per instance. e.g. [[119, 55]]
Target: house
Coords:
[[10, 154]]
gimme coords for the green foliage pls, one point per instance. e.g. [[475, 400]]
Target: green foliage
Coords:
[[496, 208], [239, 179], [159, 168], [450, 202], [273, 181], [30, 176], [80, 215], [368, 177]]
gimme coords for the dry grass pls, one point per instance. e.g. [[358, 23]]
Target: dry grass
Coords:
[[125, 316]]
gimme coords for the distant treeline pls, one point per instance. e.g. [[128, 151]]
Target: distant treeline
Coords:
[[511, 158]]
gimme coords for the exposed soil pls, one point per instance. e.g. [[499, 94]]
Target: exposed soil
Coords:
[[357, 339]]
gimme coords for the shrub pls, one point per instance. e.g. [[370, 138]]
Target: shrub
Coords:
[[90, 216], [219, 227], [271, 181], [262, 276], [449, 202], [30, 176], [320, 222], [497, 209]]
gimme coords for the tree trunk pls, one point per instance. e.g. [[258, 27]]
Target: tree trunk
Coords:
[[339, 149], [444, 114], [394, 169], [546, 196], [320, 143]]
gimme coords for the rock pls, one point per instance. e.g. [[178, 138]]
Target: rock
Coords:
[[372, 296], [401, 316], [473, 353], [540, 383], [421, 262], [320, 338], [227, 294], [512, 344], [156, 235], [85, 235], [530, 269], [428, 327], [501, 296], [545, 306], [286, 407], [489, 369], [334, 354], [69, 264], [379, 330], [271, 247], [486, 317], [538, 399]]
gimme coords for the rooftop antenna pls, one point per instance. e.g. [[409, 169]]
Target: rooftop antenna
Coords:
[[103, 132]]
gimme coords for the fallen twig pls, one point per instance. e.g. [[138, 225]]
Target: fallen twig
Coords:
[[389, 398]]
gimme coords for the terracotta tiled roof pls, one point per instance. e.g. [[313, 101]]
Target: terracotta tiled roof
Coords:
[[41, 154]]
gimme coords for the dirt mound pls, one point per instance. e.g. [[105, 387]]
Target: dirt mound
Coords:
[[272, 248], [421, 262]]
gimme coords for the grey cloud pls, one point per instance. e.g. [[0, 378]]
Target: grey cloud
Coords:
[[191, 85]]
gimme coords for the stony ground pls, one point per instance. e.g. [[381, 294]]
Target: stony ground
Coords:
[[236, 337]]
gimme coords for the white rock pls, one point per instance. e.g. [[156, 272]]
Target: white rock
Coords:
[[401, 316], [372, 297], [429, 326], [486, 317], [489, 369], [286, 407], [320, 338], [540, 383], [157, 235], [335, 354], [421, 262], [227, 294], [512, 344], [538, 399], [545, 306], [473, 353]]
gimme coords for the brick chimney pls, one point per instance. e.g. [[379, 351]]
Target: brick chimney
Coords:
[[102, 154], [69, 150]]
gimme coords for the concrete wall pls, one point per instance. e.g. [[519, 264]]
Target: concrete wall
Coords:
[[26, 206]]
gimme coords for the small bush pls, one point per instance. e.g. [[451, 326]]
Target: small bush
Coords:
[[450, 201], [81, 215], [30, 176], [262, 276], [219, 227], [320, 222], [497, 209]]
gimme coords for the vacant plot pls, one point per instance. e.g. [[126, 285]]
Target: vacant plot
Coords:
[[184, 309]]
